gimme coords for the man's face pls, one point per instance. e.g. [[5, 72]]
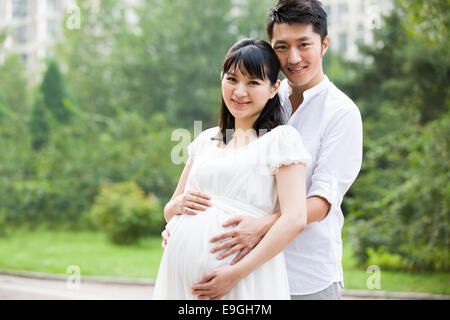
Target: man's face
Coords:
[[300, 52]]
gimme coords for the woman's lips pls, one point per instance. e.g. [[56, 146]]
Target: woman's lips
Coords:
[[240, 104]]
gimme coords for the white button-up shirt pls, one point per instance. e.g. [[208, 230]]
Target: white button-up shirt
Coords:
[[331, 128]]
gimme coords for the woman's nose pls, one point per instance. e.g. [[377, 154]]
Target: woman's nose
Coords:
[[240, 91]]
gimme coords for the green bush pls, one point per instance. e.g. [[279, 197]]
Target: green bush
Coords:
[[403, 209], [126, 213], [386, 260], [55, 185]]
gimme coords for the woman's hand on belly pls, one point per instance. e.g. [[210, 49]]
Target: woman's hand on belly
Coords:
[[217, 283], [190, 201]]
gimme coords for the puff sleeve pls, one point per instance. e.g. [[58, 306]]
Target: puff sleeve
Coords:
[[200, 143], [286, 147]]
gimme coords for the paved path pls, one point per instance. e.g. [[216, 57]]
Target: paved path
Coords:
[[18, 288], [27, 286]]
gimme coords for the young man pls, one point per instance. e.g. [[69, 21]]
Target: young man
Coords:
[[331, 127]]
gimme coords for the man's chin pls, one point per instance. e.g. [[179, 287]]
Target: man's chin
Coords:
[[296, 83], [295, 80]]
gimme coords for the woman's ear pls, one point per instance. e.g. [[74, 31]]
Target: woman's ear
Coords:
[[274, 89]]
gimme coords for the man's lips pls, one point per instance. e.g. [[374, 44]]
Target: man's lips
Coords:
[[297, 69]]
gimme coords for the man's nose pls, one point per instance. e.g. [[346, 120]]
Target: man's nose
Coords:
[[294, 56]]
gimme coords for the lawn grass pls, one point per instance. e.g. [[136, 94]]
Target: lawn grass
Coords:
[[436, 283], [54, 251]]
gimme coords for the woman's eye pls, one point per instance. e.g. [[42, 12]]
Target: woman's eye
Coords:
[[254, 82], [231, 79], [281, 48]]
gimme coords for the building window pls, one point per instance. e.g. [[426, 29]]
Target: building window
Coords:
[[52, 28], [360, 33], [343, 43], [342, 10], [20, 8], [20, 34], [51, 5], [24, 58]]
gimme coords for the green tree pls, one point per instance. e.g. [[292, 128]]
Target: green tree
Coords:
[[2, 108], [404, 68], [54, 93], [85, 54], [14, 86], [39, 124], [165, 60], [400, 200]]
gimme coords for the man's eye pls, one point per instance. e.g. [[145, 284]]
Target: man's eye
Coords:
[[281, 48], [231, 79], [304, 45], [254, 82]]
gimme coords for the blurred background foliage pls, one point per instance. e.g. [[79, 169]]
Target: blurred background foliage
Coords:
[[117, 88]]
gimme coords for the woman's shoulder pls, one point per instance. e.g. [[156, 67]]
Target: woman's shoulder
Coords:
[[286, 136], [287, 147], [209, 133], [285, 131], [202, 141]]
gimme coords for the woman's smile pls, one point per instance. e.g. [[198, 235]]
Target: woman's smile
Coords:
[[240, 103]]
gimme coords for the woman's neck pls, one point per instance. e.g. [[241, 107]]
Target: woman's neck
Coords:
[[244, 124]]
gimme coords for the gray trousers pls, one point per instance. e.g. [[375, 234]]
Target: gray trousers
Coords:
[[333, 292]]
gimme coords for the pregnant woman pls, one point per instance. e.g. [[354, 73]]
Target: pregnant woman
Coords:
[[249, 165]]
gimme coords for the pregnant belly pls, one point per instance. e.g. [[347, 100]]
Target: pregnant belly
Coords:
[[188, 248]]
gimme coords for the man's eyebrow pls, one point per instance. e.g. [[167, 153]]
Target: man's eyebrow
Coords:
[[298, 40], [304, 38], [280, 42]]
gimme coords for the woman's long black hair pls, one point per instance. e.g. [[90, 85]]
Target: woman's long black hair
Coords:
[[257, 58]]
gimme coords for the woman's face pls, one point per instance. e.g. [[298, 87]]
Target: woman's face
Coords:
[[245, 96]]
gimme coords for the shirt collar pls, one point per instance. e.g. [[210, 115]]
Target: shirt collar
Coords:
[[313, 91]]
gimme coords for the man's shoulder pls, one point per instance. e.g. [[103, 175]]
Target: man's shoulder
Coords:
[[337, 100]]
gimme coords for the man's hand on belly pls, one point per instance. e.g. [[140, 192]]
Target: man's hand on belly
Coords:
[[246, 234]]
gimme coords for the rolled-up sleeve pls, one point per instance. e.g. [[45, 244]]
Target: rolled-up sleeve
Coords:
[[339, 158]]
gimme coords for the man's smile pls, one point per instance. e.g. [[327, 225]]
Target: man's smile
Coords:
[[297, 70]]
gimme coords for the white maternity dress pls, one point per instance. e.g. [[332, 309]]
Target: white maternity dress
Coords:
[[240, 182]]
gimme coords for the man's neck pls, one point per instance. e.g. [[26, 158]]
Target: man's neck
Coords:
[[296, 97]]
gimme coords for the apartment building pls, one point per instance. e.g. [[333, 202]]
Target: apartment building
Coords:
[[32, 27], [350, 21]]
